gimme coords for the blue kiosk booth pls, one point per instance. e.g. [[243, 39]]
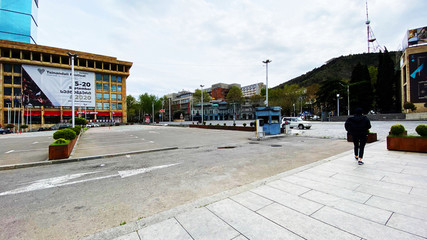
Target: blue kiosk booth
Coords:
[[271, 119]]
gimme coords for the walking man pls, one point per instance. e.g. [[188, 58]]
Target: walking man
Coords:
[[358, 127]]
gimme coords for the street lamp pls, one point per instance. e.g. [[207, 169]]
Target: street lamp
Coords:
[[294, 109], [85, 109], [266, 80], [201, 87], [8, 113], [72, 56], [338, 104]]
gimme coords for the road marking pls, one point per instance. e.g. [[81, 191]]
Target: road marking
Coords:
[[35, 142], [151, 142], [11, 151], [63, 180]]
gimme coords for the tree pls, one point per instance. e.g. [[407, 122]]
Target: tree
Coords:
[[257, 100], [285, 97], [387, 83], [234, 95], [132, 108], [197, 95], [361, 89], [327, 94]]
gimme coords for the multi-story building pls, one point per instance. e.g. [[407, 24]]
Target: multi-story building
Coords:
[[35, 85], [18, 20], [253, 89], [220, 90], [414, 69]]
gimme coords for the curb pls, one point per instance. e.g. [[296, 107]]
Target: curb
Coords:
[[49, 162]]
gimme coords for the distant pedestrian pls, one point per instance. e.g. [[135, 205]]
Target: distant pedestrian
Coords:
[[358, 127]]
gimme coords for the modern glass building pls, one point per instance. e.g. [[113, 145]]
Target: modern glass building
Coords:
[[18, 20]]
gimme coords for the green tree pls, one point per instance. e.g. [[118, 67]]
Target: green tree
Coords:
[[361, 89], [327, 94], [286, 97], [386, 97], [257, 100], [234, 95], [132, 108], [197, 95]]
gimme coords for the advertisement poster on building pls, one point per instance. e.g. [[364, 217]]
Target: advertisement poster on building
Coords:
[[418, 73], [47, 86]]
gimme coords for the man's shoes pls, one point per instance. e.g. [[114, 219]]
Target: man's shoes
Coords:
[[360, 162]]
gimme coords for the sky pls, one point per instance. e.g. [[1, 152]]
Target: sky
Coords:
[[179, 45]]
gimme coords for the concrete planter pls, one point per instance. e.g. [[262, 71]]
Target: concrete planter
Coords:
[[235, 128], [61, 151], [409, 144], [372, 137]]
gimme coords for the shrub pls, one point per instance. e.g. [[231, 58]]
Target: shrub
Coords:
[[10, 125], [244, 124], [225, 124], [79, 121], [409, 105], [421, 130], [61, 141], [116, 124], [234, 124], [210, 124], [64, 133], [217, 124], [77, 129], [397, 129], [204, 122], [24, 126]]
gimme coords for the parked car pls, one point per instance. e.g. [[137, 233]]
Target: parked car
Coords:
[[89, 125], [63, 126], [5, 131], [295, 122]]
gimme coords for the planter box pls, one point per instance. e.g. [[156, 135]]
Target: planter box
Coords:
[[61, 151], [409, 144], [235, 128], [372, 137]]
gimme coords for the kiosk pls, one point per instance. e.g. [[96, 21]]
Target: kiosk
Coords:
[[271, 117]]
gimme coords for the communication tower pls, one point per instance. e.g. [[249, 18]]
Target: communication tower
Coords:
[[372, 41]]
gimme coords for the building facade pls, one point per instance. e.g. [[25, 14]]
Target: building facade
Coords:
[[35, 85], [253, 89], [414, 69], [18, 20]]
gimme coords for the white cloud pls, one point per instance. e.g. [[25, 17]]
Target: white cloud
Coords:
[[180, 44]]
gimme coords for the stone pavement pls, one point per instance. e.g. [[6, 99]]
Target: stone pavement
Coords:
[[386, 198]]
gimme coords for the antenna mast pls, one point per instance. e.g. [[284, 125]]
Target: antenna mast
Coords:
[[370, 34]]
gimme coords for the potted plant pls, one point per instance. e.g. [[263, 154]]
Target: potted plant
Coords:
[[64, 144], [398, 141], [372, 137]]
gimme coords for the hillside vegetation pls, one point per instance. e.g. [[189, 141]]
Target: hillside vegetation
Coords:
[[340, 67]]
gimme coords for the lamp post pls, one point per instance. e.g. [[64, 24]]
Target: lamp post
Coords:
[[72, 56], [294, 109], [8, 113], [85, 109], [348, 100], [201, 87], [153, 112], [338, 104], [169, 110], [266, 80]]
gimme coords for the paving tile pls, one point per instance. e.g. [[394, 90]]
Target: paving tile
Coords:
[[130, 236], [240, 237], [303, 225], [251, 200], [321, 172], [288, 187], [420, 171], [386, 167], [366, 173], [331, 189], [328, 180], [292, 201], [249, 223], [409, 180], [158, 231], [359, 226], [393, 195], [408, 224], [358, 209], [419, 191], [203, 224], [398, 207]]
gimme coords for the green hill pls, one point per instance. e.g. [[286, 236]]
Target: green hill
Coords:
[[340, 67]]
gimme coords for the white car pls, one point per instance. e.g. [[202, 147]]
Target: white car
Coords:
[[89, 125], [295, 122]]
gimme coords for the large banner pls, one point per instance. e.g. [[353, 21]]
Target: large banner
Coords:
[[418, 74], [47, 86]]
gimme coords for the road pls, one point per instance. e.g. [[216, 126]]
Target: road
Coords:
[[69, 201]]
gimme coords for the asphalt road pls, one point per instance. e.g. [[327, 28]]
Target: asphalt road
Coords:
[[69, 201]]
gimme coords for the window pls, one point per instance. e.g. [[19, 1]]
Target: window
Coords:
[[114, 88], [105, 78], [113, 97], [119, 97], [106, 106], [106, 96], [7, 68], [16, 80], [7, 91], [17, 68], [99, 105], [98, 77], [113, 106], [99, 86], [17, 91], [7, 79], [119, 88], [113, 79], [105, 87], [119, 106], [98, 96], [119, 79]]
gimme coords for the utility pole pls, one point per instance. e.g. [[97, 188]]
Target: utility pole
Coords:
[[266, 80], [201, 87], [72, 86]]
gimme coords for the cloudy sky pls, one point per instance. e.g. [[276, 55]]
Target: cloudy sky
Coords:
[[179, 44]]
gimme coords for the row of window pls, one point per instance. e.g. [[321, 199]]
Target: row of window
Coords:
[[99, 105], [106, 78], [106, 106], [106, 96], [106, 87]]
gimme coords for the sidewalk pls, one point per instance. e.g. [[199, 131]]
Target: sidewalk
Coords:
[[331, 199]]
